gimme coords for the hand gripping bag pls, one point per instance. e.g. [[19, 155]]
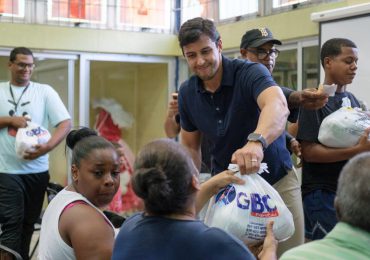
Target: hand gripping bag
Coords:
[[28, 137], [343, 128], [245, 210]]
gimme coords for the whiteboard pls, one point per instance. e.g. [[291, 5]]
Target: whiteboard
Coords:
[[357, 29]]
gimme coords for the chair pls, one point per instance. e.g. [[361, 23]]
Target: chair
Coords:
[[51, 190], [10, 252], [114, 218]]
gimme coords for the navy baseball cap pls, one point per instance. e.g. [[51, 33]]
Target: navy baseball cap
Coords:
[[257, 37]]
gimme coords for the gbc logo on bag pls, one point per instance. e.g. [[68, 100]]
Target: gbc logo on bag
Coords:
[[260, 205], [38, 131]]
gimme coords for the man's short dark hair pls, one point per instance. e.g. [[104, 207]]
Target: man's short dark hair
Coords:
[[333, 47], [19, 50], [192, 29]]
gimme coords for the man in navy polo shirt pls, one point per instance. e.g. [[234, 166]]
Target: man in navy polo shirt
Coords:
[[234, 103], [228, 100]]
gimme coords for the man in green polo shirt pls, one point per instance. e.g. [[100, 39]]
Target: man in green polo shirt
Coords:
[[350, 238]]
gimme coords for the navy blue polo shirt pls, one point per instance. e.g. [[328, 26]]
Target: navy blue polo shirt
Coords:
[[229, 115], [294, 112]]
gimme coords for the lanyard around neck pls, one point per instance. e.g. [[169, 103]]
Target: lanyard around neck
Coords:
[[19, 99]]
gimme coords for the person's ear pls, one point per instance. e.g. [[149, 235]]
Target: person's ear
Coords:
[[243, 52], [337, 208], [74, 171], [327, 62], [219, 44], [195, 183]]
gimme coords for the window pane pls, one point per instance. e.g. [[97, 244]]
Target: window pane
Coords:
[[233, 8], [285, 72], [311, 67], [195, 8], [281, 3], [149, 13], [77, 10], [12, 8]]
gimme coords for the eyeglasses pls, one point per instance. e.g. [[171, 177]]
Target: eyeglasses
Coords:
[[23, 66], [262, 54]]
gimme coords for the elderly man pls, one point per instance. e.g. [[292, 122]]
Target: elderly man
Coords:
[[350, 238]]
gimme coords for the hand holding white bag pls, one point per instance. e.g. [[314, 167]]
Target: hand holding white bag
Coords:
[[245, 210], [28, 137], [343, 128]]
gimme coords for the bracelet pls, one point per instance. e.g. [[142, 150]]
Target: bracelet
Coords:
[[292, 140]]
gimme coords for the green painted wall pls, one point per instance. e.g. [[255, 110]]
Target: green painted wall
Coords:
[[88, 40], [286, 26]]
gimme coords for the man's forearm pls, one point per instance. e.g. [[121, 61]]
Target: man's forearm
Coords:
[[191, 141], [294, 100], [60, 133], [273, 117], [318, 153], [171, 127], [4, 121], [271, 125], [197, 157]]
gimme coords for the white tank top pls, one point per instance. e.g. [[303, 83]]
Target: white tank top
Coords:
[[52, 246]]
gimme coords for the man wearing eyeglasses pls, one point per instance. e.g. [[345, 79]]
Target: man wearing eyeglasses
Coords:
[[258, 45], [23, 181]]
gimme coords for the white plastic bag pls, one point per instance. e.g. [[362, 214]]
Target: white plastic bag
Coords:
[[343, 128], [328, 89], [245, 210], [28, 137]]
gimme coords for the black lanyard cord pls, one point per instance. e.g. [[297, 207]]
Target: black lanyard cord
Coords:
[[19, 99]]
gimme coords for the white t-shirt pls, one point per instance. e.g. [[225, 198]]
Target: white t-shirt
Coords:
[[43, 104], [52, 246]]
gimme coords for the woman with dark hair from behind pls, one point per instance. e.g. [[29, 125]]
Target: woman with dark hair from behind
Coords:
[[166, 179], [73, 226]]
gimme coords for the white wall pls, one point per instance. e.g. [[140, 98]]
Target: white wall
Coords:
[[356, 29]]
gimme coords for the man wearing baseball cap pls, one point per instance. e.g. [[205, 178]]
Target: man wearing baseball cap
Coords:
[[258, 45], [257, 37]]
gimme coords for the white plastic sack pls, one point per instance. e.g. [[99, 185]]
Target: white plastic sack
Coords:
[[28, 137], [343, 127], [245, 210]]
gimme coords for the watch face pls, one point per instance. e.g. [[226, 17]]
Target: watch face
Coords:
[[259, 138], [254, 137]]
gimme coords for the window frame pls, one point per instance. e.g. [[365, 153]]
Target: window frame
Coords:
[[103, 18], [21, 10], [168, 19]]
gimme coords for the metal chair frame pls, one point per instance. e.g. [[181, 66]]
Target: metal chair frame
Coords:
[[51, 190], [11, 251]]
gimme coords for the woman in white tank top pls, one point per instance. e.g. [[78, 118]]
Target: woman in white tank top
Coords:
[[73, 226]]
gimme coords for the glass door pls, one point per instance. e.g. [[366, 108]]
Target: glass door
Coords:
[[140, 85]]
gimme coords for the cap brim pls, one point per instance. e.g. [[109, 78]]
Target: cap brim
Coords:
[[260, 42]]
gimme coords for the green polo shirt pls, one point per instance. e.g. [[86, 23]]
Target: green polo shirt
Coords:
[[343, 242]]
